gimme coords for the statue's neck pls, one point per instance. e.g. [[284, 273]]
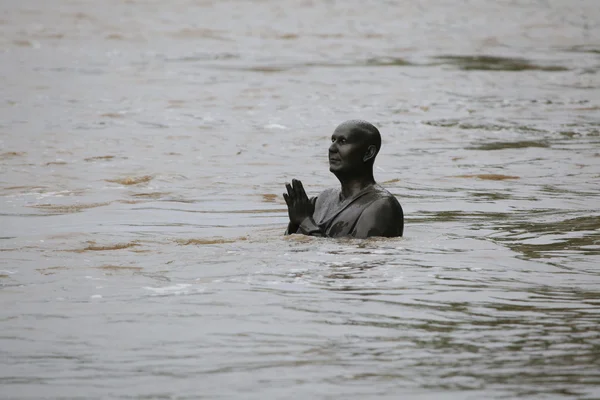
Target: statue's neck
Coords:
[[351, 186]]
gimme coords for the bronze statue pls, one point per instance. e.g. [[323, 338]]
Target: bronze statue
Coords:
[[361, 208]]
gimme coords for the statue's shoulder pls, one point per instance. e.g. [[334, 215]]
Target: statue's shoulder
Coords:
[[385, 196], [380, 191]]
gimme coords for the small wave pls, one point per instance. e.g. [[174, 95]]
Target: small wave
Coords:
[[584, 49], [50, 270], [287, 36], [176, 103], [456, 215], [552, 238], [593, 108], [153, 195], [131, 180], [151, 124], [388, 62], [119, 268], [114, 36], [83, 16], [451, 123], [185, 242], [495, 63], [275, 126], [99, 158], [199, 33], [65, 209], [522, 144], [23, 43], [269, 197], [489, 177], [119, 246], [369, 62], [130, 201], [112, 115], [178, 289], [28, 189], [12, 154], [300, 238]]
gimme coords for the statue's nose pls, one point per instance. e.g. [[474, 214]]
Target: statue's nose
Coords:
[[333, 148]]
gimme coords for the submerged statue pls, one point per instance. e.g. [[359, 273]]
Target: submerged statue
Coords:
[[360, 208]]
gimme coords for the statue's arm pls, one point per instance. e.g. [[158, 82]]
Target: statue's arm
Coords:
[[384, 217], [309, 227]]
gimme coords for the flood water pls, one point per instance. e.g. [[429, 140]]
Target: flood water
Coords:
[[144, 147]]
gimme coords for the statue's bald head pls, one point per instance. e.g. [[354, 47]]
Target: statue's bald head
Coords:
[[354, 146], [365, 131]]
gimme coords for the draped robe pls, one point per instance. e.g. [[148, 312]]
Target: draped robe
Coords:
[[372, 212]]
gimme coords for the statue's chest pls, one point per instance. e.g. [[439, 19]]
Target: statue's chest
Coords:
[[338, 219]]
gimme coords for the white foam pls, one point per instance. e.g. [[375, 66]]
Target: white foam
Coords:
[[275, 126], [180, 288]]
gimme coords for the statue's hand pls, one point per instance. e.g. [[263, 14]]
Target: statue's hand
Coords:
[[299, 205]]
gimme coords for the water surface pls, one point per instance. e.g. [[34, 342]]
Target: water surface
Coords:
[[144, 147]]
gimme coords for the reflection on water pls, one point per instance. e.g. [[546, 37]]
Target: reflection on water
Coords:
[[144, 148], [131, 180], [491, 63], [534, 239], [489, 177], [510, 145]]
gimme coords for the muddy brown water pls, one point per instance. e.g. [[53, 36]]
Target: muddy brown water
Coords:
[[144, 146]]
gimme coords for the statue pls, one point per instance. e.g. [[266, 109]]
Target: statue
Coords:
[[360, 208]]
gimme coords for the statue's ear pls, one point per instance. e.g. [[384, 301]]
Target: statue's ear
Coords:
[[370, 153]]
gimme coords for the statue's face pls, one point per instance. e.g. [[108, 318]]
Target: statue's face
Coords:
[[346, 151]]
